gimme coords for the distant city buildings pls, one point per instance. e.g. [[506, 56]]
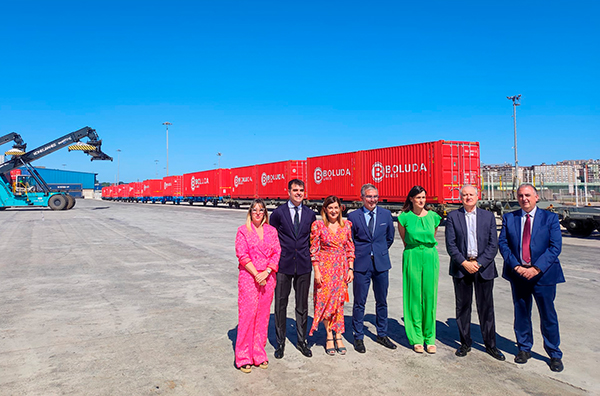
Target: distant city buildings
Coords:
[[565, 178]]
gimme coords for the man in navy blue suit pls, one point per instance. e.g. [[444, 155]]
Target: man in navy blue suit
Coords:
[[373, 233], [472, 243], [293, 221], [530, 243]]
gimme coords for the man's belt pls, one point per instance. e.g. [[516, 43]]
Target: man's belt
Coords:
[[471, 258]]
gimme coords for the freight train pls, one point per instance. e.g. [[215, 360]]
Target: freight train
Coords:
[[441, 167]]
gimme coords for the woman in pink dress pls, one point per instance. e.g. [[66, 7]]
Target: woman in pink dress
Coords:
[[332, 255], [257, 249]]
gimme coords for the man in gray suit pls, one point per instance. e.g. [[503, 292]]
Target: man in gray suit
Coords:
[[472, 243]]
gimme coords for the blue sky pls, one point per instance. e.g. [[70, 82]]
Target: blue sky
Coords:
[[264, 81]]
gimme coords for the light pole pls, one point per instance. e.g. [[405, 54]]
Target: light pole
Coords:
[[516, 102], [118, 165], [167, 125], [156, 167], [219, 155]]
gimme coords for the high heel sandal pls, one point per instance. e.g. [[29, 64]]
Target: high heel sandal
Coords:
[[340, 350], [330, 351]]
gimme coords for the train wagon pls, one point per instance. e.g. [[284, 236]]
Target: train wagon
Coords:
[[206, 186], [152, 190], [172, 189], [441, 167]]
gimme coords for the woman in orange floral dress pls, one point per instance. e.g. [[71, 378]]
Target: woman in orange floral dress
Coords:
[[332, 255]]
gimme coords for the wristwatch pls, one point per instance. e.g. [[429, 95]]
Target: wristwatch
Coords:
[[269, 270]]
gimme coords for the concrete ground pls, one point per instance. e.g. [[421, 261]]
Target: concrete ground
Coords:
[[134, 299]]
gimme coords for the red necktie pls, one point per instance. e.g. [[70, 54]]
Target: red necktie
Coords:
[[527, 241]]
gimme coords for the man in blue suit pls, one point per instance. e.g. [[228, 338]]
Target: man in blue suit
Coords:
[[292, 221], [373, 233], [530, 243], [472, 243]]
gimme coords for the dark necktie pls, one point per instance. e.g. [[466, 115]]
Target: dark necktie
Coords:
[[527, 240], [371, 222], [296, 221]]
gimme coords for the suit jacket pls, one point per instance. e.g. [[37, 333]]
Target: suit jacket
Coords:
[[295, 250], [457, 240], [262, 254], [546, 245], [379, 243]]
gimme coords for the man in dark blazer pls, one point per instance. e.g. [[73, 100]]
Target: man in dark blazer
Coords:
[[530, 243], [472, 243], [293, 221], [373, 233]]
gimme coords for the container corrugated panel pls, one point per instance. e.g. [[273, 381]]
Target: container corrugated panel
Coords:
[[272, 179], [105, 192], [440, 167], [460, 166], [335, 174], [152, 188], [242, 182], [173, 186], [138, 189], [86, 179], [210, 183], [122, 190]]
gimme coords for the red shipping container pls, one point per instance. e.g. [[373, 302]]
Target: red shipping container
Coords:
[[152, 188], [210, 183], [441, 167], [123, 190], [173, 186], [105, 192], [114, 192], [335, 174], [242, 182], [272, 179]]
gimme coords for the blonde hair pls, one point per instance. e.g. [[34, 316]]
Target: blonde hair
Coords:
[[328, 201], [265, 218]]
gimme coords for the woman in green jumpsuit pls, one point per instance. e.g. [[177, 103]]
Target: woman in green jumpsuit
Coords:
[[420, 269]]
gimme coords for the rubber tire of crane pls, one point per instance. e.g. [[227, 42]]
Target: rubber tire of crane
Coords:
[[57, 202], [70, 202]]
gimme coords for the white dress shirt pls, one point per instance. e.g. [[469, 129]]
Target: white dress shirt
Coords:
[[291, 206], [471, 219]]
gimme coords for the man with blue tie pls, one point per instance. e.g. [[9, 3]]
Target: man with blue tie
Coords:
[[293, 221], [530, 243], [472, 243], [373, 233]]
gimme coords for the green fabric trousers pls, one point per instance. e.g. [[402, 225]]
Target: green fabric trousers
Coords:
[[420, 273]]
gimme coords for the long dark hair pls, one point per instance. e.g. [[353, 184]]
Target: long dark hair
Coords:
[[416, 190], [328, 201]]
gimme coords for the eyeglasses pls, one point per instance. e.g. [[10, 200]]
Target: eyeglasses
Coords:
[[371, 196], [258, 211]]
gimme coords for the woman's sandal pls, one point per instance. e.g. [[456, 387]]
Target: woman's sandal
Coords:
[[330, 351], [340, 350], [431, 349], [246, 368], [418, 348], [264, 365]]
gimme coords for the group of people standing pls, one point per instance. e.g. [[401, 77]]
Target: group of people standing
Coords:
[[289, 247]]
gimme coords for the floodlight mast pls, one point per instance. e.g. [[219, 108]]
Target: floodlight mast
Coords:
[[516, 102]]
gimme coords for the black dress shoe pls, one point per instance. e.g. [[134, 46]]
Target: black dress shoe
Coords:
[[385, 341], [556, 364], [359, 346], [279, 351], [304, 349], [522, 357], [462, 351], [495, 353]]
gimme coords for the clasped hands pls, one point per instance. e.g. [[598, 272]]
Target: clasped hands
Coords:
[[261, 277], [470, 266], [527, 272]]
